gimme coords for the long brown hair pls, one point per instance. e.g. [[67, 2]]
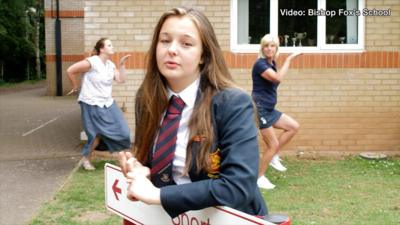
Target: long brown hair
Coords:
[[152, 100]]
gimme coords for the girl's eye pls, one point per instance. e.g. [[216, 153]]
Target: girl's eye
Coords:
[[187, 44], [164, 41]]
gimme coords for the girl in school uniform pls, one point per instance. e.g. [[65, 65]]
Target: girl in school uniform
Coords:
[[196, 139]]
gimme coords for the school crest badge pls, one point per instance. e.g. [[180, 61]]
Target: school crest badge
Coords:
[[215, 164]]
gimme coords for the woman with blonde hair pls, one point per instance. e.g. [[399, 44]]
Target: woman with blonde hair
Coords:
[[266, 79]]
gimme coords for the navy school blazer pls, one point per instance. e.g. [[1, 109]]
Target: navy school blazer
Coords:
[[233, 181]]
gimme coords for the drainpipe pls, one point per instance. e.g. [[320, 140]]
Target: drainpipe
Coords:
[[58, 53]]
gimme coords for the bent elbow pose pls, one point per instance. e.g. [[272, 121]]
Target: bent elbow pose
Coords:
[[101, 117], [266, 79]]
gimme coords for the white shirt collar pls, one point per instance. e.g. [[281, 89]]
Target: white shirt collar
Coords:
[[188, 95]]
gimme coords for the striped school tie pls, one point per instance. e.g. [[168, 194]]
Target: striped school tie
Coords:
[[161, 164]]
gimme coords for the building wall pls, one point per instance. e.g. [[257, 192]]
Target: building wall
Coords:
[[345, 102], [130, 24], [383, 33], [72, 39], [340, 111]]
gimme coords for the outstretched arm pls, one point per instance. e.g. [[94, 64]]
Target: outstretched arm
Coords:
[[276, 77], [120, 74]]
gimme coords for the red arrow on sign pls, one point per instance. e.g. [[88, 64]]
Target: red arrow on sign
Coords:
[[116, 189]]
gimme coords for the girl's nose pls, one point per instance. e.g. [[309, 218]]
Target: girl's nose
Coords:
[[172, 48]]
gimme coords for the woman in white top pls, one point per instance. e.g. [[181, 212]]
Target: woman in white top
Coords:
[[101, 117]]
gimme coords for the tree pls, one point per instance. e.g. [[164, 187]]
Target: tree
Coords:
[[37, 15], [17, 45]]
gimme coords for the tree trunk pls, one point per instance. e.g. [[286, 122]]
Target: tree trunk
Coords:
[[37, 47], [37, 37]]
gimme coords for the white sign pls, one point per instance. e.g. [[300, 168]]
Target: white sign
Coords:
[[143, 214]]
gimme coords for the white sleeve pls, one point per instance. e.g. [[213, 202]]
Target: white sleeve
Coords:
[[92, 61]]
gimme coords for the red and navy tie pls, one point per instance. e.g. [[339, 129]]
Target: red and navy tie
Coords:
[[161, 164]]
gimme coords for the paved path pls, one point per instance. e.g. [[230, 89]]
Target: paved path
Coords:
[[39, 147]]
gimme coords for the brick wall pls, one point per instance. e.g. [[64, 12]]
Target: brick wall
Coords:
[[130, 24], [383, 32], [72, 39], [71, 5], [345, 102], [340, 111]]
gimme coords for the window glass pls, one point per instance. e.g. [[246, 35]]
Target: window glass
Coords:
[[343, 27], [313, 25], [259, 20], [295, 28], [253, 20]]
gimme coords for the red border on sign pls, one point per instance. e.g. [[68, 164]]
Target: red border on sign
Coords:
[[126, 216], [232, 213], [115, 210], [217, 207]]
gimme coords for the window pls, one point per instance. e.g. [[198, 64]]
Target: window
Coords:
[[253, 21], [341, 29], [297, 30], [312, 25]]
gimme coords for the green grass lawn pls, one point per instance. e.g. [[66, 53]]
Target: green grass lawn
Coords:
[[351, 191]]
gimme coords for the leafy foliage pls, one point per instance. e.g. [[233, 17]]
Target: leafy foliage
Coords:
[[17, 54]]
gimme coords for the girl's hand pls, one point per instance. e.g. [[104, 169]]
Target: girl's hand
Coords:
[[143, 190], [131, 167], [129, 164], [74, 90], [136, 170], [122, 159], [140, 187]]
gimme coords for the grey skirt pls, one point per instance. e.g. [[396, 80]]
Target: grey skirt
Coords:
[[107, 123]]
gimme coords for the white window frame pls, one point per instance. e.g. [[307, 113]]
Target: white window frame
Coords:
[[321, 47]]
